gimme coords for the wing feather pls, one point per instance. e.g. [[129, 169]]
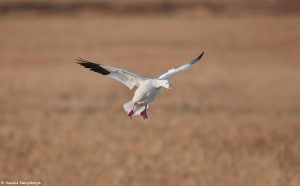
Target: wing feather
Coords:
[[129, 79], [181, 68]]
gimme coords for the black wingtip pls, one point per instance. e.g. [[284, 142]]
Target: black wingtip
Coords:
[[92, 66], [201, 55], [197, 58]]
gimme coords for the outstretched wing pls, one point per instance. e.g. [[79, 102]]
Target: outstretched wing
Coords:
[[129, 79], [182, 68]]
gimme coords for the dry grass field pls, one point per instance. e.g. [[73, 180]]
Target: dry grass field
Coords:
[[233, 119]]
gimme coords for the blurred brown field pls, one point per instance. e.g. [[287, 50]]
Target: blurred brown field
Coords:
[[232, 119]]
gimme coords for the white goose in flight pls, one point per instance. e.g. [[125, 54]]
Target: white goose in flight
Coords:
[[146, 88]]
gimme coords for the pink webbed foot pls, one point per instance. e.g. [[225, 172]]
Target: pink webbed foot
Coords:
[[144, 113], [130, 114]]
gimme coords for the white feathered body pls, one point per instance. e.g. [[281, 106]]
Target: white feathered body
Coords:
[[146, 92]]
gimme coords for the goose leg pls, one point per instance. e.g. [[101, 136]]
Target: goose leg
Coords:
[[144, 113], [130, 114]]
